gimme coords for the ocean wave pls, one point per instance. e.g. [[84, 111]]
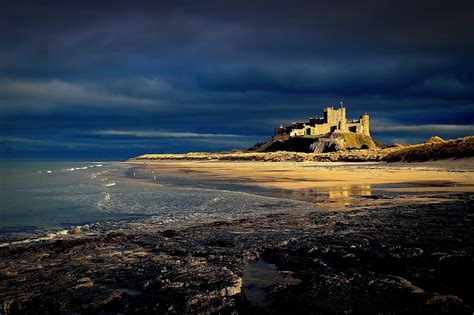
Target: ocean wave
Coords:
[[72, 169]]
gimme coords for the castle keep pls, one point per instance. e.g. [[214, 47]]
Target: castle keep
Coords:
[[333, 120]]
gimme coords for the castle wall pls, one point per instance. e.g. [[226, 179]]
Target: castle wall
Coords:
[[322, 129], [361, 126], [355, 127], [297, 133], [333, 120], [314, 130]]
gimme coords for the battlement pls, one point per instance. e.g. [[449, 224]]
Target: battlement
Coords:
[[333, 120]]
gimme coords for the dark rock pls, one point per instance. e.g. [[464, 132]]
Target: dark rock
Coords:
[[393, 283], [376, 197], [446, 304], [169, 233], [338, 226], [326, 146]]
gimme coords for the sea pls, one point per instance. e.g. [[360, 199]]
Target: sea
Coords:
[[38, 197]]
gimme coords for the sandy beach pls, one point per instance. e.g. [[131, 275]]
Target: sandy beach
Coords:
[[452, 175]]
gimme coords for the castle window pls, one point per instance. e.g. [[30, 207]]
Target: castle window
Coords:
[[308, 131]]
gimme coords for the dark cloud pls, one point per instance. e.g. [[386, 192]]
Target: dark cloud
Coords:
[[70, 70]]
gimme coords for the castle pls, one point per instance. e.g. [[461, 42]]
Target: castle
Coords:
[[333, 120]]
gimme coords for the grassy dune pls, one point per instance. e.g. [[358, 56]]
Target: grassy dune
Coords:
[[452, 149], [353, 155]]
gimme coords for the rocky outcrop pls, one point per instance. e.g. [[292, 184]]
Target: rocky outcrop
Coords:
[[342, 141], [284, 143], [327, 145], [331, 142], [434, 139]]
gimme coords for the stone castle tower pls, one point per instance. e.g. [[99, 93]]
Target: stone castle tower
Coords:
[[365, 124]]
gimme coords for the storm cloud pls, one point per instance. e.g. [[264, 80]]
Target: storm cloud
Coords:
[[97, 78]]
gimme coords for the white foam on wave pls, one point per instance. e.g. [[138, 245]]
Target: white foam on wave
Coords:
[[72, 169], [104, 201]]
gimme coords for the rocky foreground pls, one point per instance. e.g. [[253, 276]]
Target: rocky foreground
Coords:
[[390, 258]]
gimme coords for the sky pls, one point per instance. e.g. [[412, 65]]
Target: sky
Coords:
[[114, 79]]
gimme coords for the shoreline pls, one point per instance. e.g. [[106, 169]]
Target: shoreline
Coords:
[[453, 176], [341, 181]]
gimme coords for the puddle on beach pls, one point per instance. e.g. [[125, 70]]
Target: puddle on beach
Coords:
[[260, 277], [335, 192], [337, 195]]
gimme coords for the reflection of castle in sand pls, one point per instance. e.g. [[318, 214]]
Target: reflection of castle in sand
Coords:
[[349, 191], [332, 192]]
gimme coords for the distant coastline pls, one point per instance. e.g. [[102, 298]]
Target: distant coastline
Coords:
[[433, 149]]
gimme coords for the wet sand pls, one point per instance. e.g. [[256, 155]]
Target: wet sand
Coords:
[[410, 251], [454, 175]]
